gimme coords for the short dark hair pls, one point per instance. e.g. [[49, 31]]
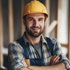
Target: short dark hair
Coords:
[[24, 17], [45, 16]]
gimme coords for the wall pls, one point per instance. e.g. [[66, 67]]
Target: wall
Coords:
[[16, 17], [53, 14]]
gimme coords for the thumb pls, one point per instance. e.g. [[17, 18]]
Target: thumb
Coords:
[[24, 63]]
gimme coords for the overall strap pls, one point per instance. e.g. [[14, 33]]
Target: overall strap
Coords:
[[50, 44], [21, 42]]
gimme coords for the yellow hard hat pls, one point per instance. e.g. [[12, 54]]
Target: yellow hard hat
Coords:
[[34, 7]]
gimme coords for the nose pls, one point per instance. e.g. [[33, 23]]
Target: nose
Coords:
[[35, 23]]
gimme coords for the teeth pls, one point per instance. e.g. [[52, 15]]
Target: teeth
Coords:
[[35, 28]]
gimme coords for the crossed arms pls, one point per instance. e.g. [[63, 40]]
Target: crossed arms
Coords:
[[54, 65]]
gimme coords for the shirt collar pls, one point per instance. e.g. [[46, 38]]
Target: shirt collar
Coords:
[[43, 40], [26, 41], [25, 38]]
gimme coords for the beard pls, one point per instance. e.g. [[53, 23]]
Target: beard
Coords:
[[34, 33]]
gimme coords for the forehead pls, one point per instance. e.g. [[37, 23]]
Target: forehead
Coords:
[[36, 15]]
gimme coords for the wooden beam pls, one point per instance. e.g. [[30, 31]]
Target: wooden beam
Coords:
[[52, 26], [11, 28], [59, 20], [1, 36], [47, 4], [69, 29], [64, 45], [22, 26], [56, 31]]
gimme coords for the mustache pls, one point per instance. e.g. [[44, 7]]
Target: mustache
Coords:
[[35, 27]]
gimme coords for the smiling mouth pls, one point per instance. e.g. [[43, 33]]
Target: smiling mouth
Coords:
[[35, 29]]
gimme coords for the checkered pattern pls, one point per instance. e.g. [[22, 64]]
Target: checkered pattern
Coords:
[[16, 53]]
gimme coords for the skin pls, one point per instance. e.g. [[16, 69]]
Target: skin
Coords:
[[54, 60], [34, 27], [35, 24]]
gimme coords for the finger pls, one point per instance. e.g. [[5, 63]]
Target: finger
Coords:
[[57, 62], [56, 59], [24, 63], [53, 57], [51, 60]]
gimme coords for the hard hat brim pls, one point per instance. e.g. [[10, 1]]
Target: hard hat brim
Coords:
[[46, 14]]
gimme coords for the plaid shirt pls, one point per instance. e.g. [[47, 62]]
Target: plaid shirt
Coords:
[[16, 53]]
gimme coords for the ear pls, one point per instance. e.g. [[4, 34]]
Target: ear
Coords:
[[24, 22], [45, 22]]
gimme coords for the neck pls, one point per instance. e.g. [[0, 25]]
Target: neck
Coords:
[[33, 40]]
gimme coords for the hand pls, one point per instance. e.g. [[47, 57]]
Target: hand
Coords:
[[24, 63], [54, 60]]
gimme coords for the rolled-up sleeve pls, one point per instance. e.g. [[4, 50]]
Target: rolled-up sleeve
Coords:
[[57, 51], [15, 55]]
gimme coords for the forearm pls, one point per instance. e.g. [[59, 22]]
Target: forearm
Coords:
[[59, 66], [26, 68]]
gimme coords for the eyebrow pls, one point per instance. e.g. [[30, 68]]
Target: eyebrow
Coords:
[[30, 17], [41, 18]]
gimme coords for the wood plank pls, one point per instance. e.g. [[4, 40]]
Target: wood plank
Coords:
[[22, 26], [11, 28], [69, 29], [56, 19], [64, 45], [47, 4], [56, 31], [59, 20], [1, 36], [52, 26]]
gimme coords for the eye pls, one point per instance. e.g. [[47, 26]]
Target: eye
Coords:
[[30, 19], [41, 19]]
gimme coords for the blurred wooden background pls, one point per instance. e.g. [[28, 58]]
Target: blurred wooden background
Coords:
[[11, 24]]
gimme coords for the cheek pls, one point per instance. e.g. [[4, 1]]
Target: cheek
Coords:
[[42, 25], [29, 24]]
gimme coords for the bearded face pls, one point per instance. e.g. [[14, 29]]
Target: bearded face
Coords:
[[33, 31], [35, 24]]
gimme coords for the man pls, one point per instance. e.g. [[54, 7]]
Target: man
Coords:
[[33, 51]]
